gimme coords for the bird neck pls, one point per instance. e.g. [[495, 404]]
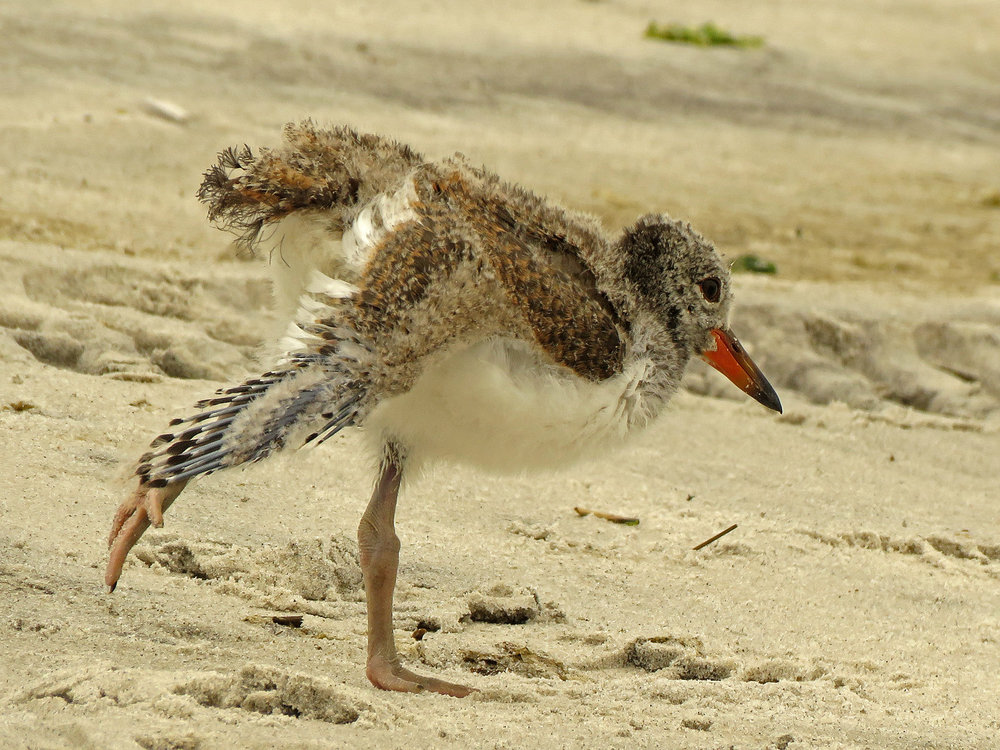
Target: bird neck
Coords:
[[655, 358], [653, 367]]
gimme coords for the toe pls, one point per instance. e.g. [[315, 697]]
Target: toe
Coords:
[[144, 507], [125, 512], [446, 688], [439, 686], [129, 532], [388, 675], [154, 506]]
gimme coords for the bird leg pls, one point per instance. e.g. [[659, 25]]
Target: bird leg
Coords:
[[142, 508], [379, 547]]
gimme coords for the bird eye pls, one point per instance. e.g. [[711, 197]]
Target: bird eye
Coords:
[[710, 288]]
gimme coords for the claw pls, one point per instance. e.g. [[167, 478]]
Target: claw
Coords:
[[142, 508]]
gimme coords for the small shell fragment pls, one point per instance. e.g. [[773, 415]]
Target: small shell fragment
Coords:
[[613, 517], [165, 110]]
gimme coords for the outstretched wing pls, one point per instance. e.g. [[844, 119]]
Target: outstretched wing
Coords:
[[321, 387]]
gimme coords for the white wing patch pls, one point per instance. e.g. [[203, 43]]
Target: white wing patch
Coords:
[[310, 256], [374, 221], [321, 294], [320, 283]]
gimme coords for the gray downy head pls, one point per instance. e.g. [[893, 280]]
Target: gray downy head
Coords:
[[678, 279], [676, 275]]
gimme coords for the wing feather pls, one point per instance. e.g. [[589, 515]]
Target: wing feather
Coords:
[[547, 277]]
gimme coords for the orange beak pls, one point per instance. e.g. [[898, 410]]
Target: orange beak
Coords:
[[732, 360]]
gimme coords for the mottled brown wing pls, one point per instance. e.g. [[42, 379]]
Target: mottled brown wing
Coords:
[[316, 169], [571, 319], [410, 259]]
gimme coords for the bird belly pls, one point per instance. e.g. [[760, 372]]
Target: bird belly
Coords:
[[497, 405]]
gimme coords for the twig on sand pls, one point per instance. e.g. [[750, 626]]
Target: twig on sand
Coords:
[[714, 538]]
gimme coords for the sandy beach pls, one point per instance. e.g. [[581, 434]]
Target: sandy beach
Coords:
[[856, 604]]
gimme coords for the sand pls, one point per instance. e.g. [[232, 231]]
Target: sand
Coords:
[[857, 604]]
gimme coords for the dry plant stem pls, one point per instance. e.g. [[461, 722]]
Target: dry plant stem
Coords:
[[144, 507], [715, 538], [379, 550]]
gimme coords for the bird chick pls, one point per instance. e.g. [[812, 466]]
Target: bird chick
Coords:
[[449, 315]]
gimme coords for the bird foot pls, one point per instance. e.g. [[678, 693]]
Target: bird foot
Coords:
[[388, 675], [144, 507]]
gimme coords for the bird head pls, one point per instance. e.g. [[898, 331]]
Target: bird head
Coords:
[[677, 277]]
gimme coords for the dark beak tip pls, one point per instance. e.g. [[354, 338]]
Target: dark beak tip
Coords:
[[769, 398]]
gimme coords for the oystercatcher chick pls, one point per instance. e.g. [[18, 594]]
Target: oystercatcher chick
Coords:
[[447, 314]]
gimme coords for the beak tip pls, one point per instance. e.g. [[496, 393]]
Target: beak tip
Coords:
[[770, 399]]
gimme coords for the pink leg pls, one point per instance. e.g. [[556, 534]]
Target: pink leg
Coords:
[[379, 548], [143, 507]]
